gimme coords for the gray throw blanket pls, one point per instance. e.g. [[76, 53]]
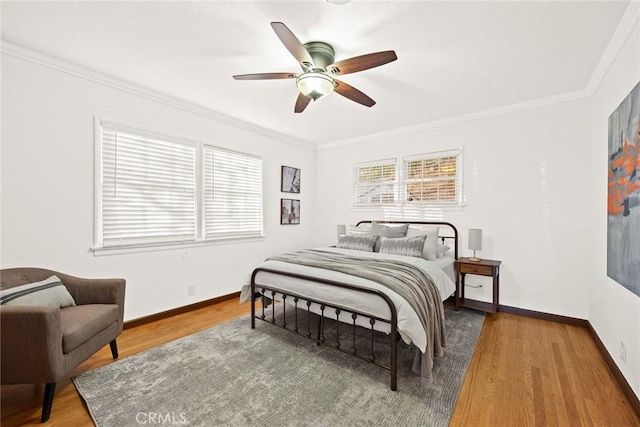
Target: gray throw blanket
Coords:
[[408, 281]]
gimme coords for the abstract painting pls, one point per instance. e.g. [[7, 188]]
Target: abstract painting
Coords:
[[289, 211], [290, 180], [623, 197]]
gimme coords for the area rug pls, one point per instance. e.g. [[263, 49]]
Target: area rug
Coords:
[[231, 375]]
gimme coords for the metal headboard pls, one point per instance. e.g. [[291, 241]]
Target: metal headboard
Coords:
[[444, 237]]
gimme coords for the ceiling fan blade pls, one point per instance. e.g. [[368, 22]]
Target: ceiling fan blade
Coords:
[[291, 42], [301, 103], [364, 62], [265, 76], [353, 94]]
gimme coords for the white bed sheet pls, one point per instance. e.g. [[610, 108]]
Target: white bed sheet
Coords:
[[409, 325]]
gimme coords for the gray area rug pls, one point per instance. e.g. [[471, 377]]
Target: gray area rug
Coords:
[[230, 375]]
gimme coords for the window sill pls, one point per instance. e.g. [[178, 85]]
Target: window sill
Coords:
[[411, 206], [121, 250]]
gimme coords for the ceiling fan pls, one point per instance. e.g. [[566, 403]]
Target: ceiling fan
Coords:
[[317, 60]]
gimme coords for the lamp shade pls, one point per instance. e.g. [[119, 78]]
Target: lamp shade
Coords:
[[315, 85], [475, 239]]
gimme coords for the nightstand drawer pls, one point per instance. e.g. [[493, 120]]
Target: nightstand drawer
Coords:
[[482, 270]]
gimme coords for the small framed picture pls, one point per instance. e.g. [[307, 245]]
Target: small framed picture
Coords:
[[290, 180], [289, 211]]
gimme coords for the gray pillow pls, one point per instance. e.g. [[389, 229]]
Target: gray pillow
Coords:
[[389, 230], [384, 230], [407, 246], [49, 292], [358, 243]]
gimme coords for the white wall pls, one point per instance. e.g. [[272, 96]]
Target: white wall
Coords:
[[524, 186], [614, 311], [47, 189], [535, 182]]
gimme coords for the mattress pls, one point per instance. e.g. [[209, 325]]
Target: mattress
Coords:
[[409, 325]]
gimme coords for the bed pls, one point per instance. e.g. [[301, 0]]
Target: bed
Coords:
[[381, 288]]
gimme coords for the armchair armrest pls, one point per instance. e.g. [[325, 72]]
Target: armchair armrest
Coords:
[[31, 349], [96, 291]]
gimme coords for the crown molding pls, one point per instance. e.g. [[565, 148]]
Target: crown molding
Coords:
[[26, 54], [620, 36], [622, 32], [513, 108]]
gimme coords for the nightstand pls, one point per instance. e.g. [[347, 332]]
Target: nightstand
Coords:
[[484, 267]]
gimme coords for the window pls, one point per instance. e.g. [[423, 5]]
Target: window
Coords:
[[232, 194], [375, 183], [427, 179], [433, 178], [155, 189]]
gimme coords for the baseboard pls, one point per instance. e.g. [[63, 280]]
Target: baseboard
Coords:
[[180, 310], [543, 316], [626, 388], [615, 371]]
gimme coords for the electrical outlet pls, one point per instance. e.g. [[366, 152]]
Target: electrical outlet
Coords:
[[623, 352], [191, 290]]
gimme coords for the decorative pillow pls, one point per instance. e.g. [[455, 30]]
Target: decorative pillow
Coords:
[[359, 230], [49, 292], [358, 243], [384, 230], [441, 250], [407, 246], [430, 249]]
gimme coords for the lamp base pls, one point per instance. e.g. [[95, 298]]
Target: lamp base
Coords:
[[474, 259]]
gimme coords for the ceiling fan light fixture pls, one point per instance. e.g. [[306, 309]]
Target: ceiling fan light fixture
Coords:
[[315, 85]]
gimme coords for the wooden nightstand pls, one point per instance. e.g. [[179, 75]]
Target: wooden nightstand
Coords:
[[484, 267]]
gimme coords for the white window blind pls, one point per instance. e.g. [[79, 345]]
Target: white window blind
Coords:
[[434, 178], [375, 182], [148, 192], [232, 194], [154, 189]]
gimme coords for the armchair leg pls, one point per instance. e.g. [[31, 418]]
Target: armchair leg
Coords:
[[49, 391], [114, 349]]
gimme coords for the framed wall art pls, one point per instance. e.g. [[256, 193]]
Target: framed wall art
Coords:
[[623, 196], [290, 180], [289, 211]]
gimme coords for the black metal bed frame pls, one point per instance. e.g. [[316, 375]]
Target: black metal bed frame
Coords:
[[264, 291]]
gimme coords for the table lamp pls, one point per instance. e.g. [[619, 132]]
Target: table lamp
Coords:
[[475, 242]]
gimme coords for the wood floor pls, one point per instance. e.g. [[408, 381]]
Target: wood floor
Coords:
[[524, 372]]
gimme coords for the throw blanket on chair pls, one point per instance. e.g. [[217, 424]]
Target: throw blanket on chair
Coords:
[[411, 283]]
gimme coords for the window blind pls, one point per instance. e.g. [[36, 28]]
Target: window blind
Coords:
[[433, 178], [375, 182], [232, 194], [148, 192]]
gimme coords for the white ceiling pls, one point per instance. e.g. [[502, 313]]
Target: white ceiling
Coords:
[[454, 58]]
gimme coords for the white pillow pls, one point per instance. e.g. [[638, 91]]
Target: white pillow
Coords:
[[430, 250], [49, 292], [441, 250]]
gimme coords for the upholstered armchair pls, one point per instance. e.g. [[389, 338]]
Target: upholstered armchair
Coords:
[[45, 334]]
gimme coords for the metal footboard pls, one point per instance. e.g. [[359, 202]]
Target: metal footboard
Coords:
[[269, 315]]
